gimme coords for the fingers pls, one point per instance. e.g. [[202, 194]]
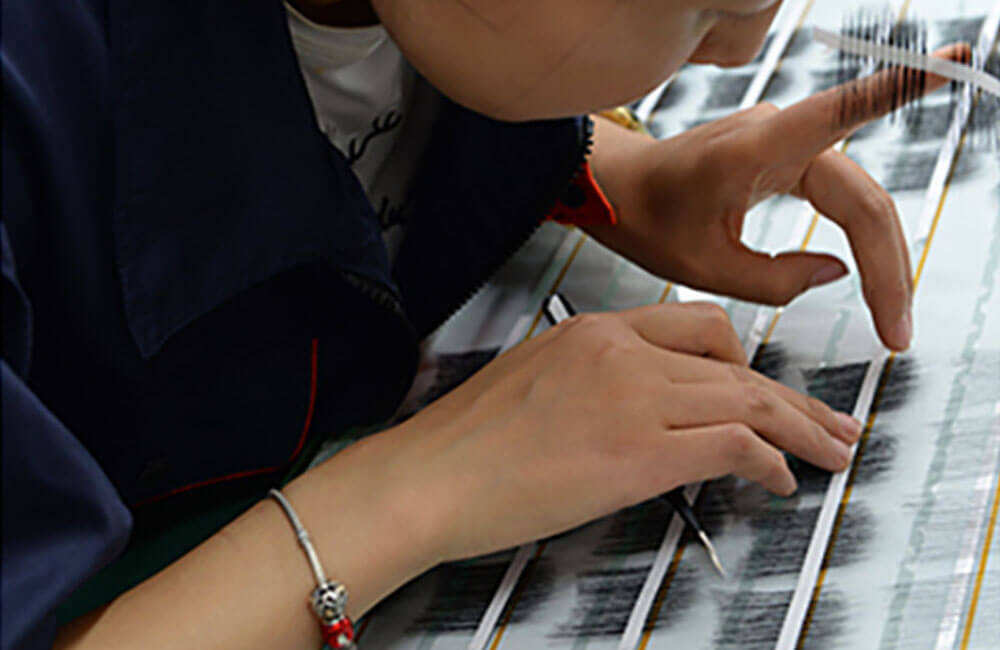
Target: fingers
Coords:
[[698, 328], [765, 412], [840, 189], [693, 370], [774, 280], [813, 125], [716, 450]]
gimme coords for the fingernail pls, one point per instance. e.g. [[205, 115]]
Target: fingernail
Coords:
[[902, 333], [789, 485], [842, 452], [849, 427], [826, 274]]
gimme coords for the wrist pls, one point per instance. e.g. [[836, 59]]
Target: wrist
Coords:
[[366, 520], [619, 161]]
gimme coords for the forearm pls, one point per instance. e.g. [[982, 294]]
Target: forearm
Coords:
[[247, 586]]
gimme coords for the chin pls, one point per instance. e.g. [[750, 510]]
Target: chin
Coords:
[[724, 55]]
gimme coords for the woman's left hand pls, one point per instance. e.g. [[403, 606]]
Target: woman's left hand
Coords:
[[681, 202]]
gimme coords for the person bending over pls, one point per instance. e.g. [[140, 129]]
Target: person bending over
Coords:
[[227, 225]]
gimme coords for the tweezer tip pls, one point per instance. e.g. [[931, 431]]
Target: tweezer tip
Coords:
[[712, 555]]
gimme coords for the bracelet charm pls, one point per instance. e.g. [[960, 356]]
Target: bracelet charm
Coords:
[[328, 601]]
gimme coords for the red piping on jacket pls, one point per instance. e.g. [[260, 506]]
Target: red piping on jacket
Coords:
[[264, 470]]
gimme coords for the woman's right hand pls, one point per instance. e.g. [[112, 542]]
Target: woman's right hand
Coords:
[[598, 413]]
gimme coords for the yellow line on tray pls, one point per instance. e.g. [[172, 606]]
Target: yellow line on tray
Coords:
[[679, 551], [509, 610], [502, 627], [874, 411], [937, 217], [862, 444], [984, 558], [981, 571], [660, 597], [514, 598], [666, 292]]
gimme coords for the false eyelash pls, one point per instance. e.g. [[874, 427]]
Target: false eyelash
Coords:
[[958, 30], [672, 94], [930, 124], [604, 602], [904, 86], [836, 386], [455, 367], [450, 370], [635, 530], [911, 170], [728, 88], [681, 596], [781, 539], [463, 591], [771, 359], [533, 589], [796, 45], [828, 620], [881, 447], [753, 619], [878, 458]]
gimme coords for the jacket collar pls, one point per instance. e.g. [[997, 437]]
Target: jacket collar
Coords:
[[223, 178]]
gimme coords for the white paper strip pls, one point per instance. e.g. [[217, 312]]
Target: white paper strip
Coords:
[[488, 623], [492, 614], [965, 564], [891, 54], [647, 595], [649, 102], [795, 616]]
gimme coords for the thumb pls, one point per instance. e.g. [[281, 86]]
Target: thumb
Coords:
[[776, 280]]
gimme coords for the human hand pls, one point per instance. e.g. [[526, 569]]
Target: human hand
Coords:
[[681, 202], [598, 413]]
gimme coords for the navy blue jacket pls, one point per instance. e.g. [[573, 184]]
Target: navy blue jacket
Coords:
[[194, 284]]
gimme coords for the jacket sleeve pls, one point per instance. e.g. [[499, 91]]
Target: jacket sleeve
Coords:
[[62, 518]]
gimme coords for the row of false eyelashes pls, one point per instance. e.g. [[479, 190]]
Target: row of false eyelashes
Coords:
[[751, 616], [904, 87], [604, 597]]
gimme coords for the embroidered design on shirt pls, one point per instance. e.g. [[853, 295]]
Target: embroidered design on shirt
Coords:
[[380, 125], [390, 215]]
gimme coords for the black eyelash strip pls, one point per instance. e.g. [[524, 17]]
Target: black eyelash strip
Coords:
[[902, 86], [899, 90]]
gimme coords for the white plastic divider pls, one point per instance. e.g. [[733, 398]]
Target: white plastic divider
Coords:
[[522, 330], [965, 564], [795, 616], [649, 102], [647, 594], [889, 54]]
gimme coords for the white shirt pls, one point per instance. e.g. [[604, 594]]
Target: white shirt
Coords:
[[369, 106]]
